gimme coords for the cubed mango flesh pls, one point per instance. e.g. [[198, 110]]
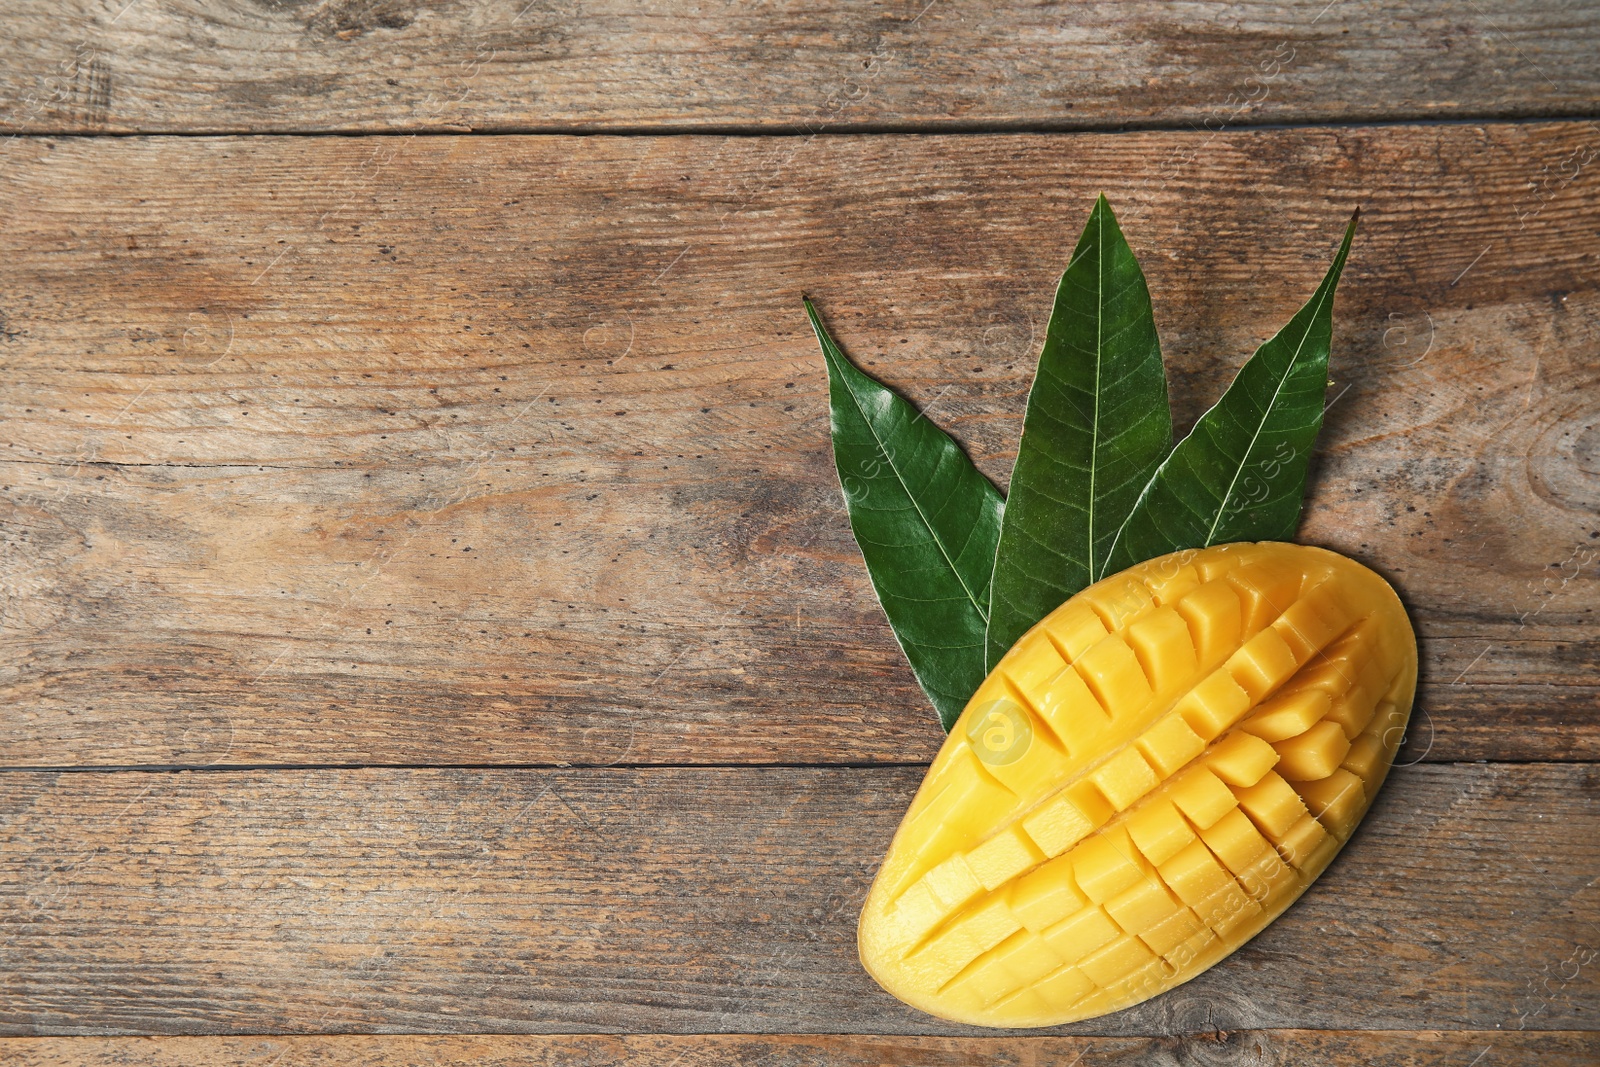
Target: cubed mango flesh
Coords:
[[1147, 779]]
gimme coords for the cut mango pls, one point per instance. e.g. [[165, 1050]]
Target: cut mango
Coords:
[[1160, 831], [1314, 754], [1241, 759], [1147, 779]]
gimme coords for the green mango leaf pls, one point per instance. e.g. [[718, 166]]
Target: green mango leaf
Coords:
[[1096, 427], [1240, 475], [927, 522]]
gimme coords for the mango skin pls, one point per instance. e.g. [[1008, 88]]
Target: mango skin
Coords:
[[1147, 779]]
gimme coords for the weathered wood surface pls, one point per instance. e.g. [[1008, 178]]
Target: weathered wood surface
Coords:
[[846, 64], [705, 900], [1249, 1048], [515, 450]]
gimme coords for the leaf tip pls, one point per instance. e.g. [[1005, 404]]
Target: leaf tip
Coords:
[[816, 321]]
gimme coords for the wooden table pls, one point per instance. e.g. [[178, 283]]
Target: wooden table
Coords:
[[431, 632]]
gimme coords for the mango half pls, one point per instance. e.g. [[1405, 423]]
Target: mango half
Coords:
[[1149, 777]]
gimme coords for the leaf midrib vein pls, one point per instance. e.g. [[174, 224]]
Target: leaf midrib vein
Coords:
[[1099, 357], [1222, 505]]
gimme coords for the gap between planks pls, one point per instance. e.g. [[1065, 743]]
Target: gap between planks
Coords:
[[240, 768], [1396, 1048], [842, 129]]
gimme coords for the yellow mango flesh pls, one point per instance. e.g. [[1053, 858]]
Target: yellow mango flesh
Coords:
[[1148, 778]]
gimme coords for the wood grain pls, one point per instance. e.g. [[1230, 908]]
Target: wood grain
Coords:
[[382, 65], [705, 900], [514, 450], [1255, 1048]]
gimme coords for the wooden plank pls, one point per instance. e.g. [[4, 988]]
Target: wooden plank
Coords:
[[1429, 1048], [845, 64], [488, 450], [705, 900]]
